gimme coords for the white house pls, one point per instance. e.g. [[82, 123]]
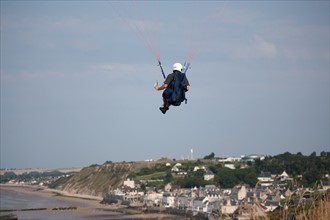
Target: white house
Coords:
[[175, 169], [168, 187], [199, 168], [208, 176], [155, 198], [230, 166], [129, 183], [230, 159], [265, 179], [169, 201], [242, 193], [284, 176], [178, 164]]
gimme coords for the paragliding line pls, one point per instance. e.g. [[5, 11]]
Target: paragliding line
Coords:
[[186, 66], [142, 30], [161, 68]]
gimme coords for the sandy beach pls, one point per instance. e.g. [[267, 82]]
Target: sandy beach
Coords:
[[81, 206], [48, 199]]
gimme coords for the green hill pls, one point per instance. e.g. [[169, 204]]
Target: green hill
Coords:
[[97, 180]]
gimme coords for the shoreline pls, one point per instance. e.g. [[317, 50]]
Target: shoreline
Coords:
[[47, 191], [54, 199], [82, 206]]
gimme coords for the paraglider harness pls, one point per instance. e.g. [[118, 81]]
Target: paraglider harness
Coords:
[[175, 93]]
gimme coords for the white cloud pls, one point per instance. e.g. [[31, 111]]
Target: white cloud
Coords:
[[263, 47], [257, 48]]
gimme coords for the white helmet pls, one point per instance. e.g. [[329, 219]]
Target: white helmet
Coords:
[[177, 66]]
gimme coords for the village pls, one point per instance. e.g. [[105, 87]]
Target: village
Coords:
[[271, 192]]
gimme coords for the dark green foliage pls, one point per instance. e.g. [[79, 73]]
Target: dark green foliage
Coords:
[[324, 154], [209, 157], [7, 176], [189, 165], [248, 176], [192, 179], [312, 168], [147, 171], [168, 177], [228, 178], [30, 176]]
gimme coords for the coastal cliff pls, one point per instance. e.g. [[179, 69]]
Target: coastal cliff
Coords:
[[95, 180], [98, 180]]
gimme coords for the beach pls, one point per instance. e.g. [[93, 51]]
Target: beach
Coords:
[[27, 202]]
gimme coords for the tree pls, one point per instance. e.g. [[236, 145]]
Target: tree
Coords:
[[312, 168], [247, 175], [210, 156], [313, 154], [323, 154], [143, 186], [226, 178], [7, 177], [168, 177]]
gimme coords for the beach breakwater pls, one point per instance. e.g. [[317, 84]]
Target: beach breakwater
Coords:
[[39, 209]]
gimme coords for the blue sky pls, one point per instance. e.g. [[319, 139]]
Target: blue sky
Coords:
[[77, 80]]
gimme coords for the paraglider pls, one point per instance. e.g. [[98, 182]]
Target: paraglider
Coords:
[[176, 85]]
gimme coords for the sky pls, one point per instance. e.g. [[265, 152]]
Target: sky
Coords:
[[77, 80]]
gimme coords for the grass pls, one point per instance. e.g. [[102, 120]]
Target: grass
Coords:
[[318, 208], [306, 206], [157, 175]]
